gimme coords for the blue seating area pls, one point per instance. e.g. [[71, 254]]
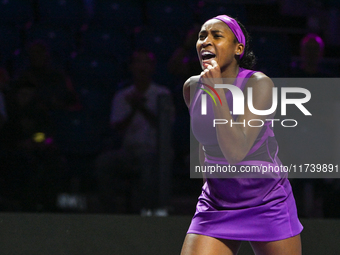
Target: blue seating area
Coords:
[[9, 41], [210, 10], [94, 71], [61, 13], [273, 51], [117, 13], [108, 42], [15, 12], [111, 29], [169, 14]]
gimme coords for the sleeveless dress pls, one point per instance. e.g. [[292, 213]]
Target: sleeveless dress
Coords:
[[251, 209]]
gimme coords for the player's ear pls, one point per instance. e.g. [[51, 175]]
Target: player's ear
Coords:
[[239, 49]]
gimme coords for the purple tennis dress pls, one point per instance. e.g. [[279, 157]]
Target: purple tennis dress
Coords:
[[252, 209]]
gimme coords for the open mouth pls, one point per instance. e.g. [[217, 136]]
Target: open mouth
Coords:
[[207, 55]]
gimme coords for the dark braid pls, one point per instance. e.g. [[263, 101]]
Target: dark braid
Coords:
[[248, 60]]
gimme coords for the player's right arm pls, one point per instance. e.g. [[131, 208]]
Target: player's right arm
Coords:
[[189, 89], [188, 93]]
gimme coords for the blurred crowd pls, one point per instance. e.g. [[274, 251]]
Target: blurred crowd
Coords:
[[80, 103]]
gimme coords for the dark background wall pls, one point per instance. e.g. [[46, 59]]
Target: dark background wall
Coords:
[[67, 234], [92, 41]]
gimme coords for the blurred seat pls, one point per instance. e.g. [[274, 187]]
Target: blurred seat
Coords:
[[162, 42], [106, 42], [120, 13], [15, 12], [78, 132], [65, 13], [91, 71], [9, 42], [273, 53], [163, 77], [210, 10], [332, 3], [169, 14]]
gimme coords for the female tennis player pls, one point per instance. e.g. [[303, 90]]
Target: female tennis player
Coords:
[[234, 208]]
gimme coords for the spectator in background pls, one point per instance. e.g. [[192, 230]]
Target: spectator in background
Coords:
[[184, 61], [313, 137], [311, 51], [134, 117], [183, 64], [54, 88], [31, 165]]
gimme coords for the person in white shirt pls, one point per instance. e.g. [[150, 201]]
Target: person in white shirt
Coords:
[[134, 115]]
